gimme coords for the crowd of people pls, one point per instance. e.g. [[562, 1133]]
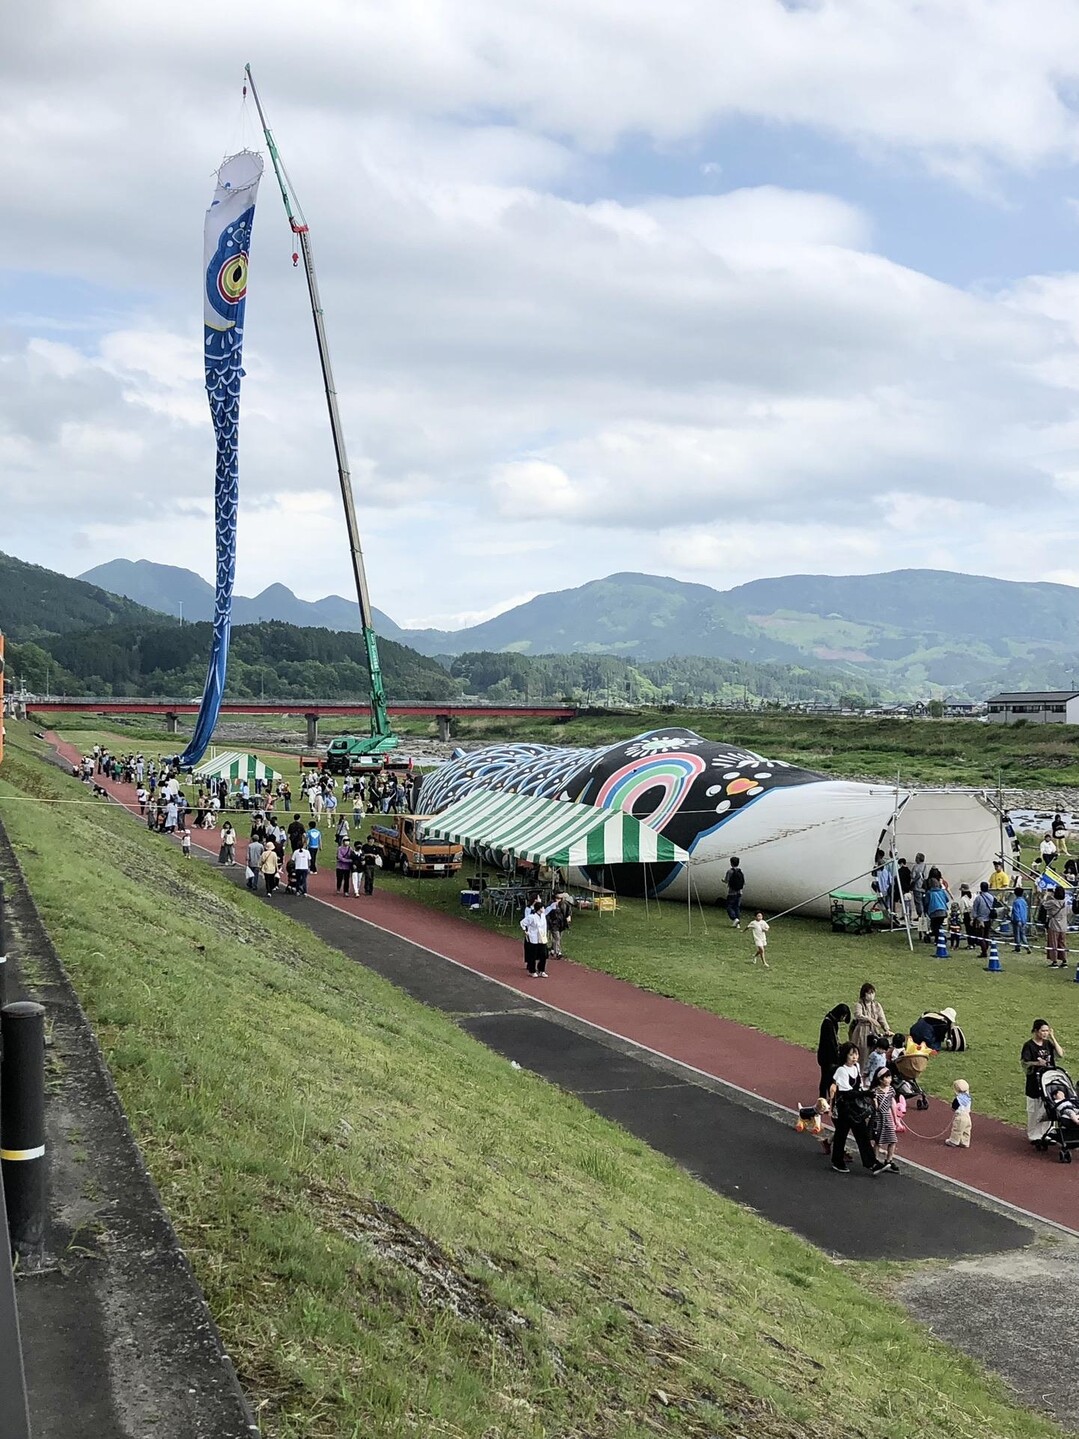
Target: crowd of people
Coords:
[[863, 1080], [919, 895]]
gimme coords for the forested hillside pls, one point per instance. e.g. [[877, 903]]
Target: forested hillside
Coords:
[[276, 660], [35, 601]]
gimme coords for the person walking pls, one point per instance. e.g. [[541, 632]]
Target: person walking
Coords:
[[853, 1109], [302, 867], [1042, 1051], [227, 853], [356, 868], [961, 1125], [735, 881], [344, 865], [255, 850], [885, 1133], [758, 929], [297, 832], [372, 860], [917, 884], [869, 1018], [981, 916], [185, 844], [828, 1052], [559, 920], [1055, 906], [1020, 918], [534, 925], [314, 844], [937, 902], [270, 867]]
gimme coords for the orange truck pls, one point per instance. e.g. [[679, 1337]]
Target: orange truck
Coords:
[[405, 847]]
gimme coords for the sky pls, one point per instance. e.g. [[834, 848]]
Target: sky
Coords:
[[710, 289]]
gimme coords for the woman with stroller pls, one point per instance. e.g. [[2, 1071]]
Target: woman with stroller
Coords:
[[1042, 1051], [869, 1019], [828, 1052], [853, 1108]]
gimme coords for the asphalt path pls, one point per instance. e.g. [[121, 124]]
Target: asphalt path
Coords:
[[740, 1151]]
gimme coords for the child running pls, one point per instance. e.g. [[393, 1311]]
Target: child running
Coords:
[[884, 1103], [758, 928]]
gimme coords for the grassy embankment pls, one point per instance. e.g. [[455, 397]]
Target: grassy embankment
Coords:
[[812, 969], [399, 1234], [959, 752]]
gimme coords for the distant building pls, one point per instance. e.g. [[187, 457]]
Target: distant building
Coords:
[[961, 709], [1036, 707]]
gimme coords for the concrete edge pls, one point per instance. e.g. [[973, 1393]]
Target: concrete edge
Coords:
[[246, 1425]]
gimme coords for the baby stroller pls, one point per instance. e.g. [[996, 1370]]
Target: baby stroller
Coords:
[[1063, 1114], [908, 1070]]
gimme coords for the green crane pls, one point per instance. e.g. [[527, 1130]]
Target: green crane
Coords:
[[366, 753]]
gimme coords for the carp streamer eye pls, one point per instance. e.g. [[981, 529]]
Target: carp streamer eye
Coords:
[[232, 279]]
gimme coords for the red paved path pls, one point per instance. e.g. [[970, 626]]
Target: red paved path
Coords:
[[999, 1163]]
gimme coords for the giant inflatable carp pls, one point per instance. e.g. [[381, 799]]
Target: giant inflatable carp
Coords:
[[799, 835]]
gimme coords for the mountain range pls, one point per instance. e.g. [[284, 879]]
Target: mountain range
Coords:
[[909, 630]]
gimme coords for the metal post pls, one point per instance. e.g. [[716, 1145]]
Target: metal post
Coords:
[[3, 948], [22, 1123]]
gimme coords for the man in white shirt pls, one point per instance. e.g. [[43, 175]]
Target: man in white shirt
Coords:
[[534, 925], [302, 863]]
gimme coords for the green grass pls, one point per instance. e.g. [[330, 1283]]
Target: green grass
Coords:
[[813, 969], [399, 1234]]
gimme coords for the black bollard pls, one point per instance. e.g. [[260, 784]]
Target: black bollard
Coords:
[[3, 949], [22, 1123]]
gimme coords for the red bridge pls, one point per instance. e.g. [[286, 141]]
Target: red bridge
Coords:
[[312, 710]]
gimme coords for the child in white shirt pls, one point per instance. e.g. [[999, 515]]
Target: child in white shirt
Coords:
[[758, 928]]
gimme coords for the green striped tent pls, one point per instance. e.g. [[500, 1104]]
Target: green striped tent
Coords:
[[233, 764], [551, 831]]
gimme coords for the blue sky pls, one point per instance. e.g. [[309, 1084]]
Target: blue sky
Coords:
[[717, 292]]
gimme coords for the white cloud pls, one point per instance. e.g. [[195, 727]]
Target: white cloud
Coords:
[[537, 389]]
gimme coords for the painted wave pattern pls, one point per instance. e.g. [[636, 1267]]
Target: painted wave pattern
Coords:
[[683, 785]]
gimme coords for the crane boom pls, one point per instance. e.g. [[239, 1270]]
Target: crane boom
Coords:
[[382, 737]]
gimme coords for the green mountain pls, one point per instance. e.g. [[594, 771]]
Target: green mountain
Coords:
[[645, 616], [35, 602], [912, 632], [175, 591]]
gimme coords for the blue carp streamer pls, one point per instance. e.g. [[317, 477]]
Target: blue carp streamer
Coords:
[[227, 242]]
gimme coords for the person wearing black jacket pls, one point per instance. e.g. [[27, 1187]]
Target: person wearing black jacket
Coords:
[[735, 881], [853, 1107], [828, 1053]]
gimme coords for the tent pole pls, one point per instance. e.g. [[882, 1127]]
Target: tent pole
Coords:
[[1000, 810], [895, 867]]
